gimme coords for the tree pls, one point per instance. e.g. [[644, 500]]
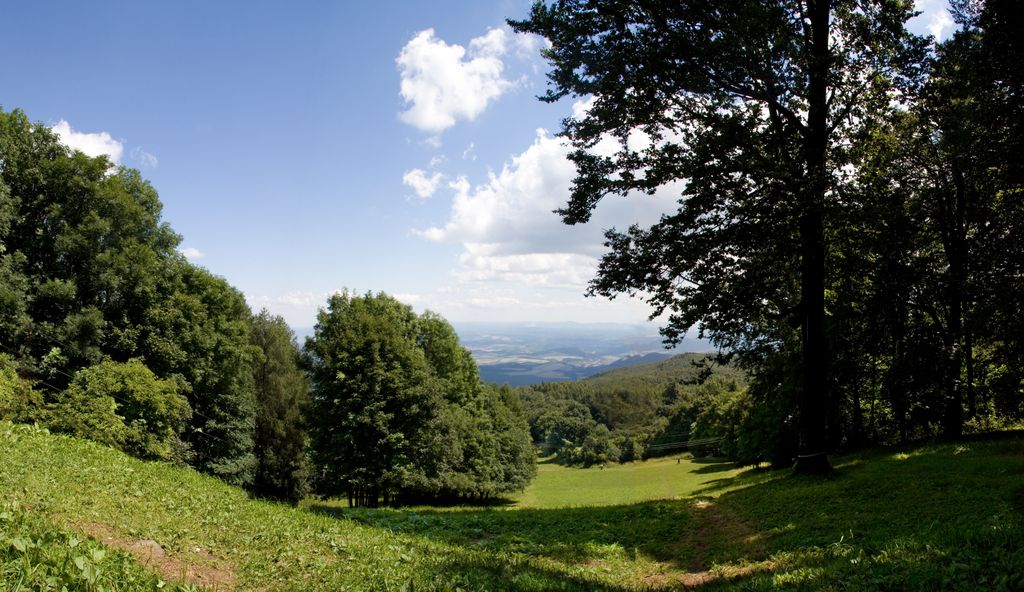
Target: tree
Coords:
[[399, 413], [89, 271], [282, 401], [19, 402], [370, 394], [198, 328], [753, 106]]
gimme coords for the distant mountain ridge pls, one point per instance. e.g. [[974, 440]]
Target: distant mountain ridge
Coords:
[[521, 354]]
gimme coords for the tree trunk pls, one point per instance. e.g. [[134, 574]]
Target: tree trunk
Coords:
[[956, 255], [812, 458]]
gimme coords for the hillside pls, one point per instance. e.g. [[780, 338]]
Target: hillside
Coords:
[[933, 517], [681, 368]]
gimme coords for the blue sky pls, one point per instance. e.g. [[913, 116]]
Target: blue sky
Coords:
[[306, 147]]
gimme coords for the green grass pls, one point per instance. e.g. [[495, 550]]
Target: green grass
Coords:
[[664, 478], [933, 518]]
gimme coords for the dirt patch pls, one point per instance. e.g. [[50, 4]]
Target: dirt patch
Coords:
[[196, 566], [717, 527], [697, 579], [718, 535]]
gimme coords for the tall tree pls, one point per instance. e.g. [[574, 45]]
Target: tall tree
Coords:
[[282, 401], [752, 105], [399, 413], [371, 393]]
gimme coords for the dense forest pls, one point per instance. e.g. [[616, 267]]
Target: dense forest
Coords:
[[848, 231], [108, 333], [634, 413]]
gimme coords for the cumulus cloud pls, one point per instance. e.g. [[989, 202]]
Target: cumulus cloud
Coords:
[[509, 232], [421, 183], [92, 144], [191, 253], [443, 83]]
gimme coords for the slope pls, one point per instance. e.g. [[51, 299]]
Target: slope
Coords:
[[933, 517]]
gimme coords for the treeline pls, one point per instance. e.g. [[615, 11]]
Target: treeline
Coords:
[[631, 413], [107, 332], [852, 199]]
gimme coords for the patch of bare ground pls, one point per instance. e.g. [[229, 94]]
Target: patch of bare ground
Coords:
[[697, 579], [196, 566], [715, 528]]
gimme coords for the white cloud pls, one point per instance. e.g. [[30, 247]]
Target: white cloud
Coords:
[[443, 83], [510, 234], [934, 19], [94, 144], [423, 185], [410, 299], [191, 253], [940, 25], [437, 160], [144, 158], [468, 152]]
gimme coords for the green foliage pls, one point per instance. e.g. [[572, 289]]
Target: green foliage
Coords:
[[201, 330], [625, 414], [399, 411], [19, 402], [89, 272], [282, 396], [125, 406], [36, 556], [372, 393]]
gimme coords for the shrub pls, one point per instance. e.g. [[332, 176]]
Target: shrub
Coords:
[[19, 402], [123, 405]]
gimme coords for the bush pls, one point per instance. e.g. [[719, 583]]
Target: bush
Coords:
[[19, 402], [123, 405]]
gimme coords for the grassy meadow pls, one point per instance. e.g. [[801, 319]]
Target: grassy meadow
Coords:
[[80, 516], [557, 486]]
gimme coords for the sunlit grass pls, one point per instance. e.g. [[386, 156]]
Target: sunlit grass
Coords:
[[663, 478]]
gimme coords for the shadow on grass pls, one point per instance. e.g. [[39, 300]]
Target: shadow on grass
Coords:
[[719, 467], [938, 514], [470, 571], [656, 531]]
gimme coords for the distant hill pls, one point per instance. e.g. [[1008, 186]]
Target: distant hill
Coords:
[[681, 368], [521, 354], [527, 373]]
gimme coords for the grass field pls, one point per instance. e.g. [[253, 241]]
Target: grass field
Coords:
[[663, 478], [78, 515]]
